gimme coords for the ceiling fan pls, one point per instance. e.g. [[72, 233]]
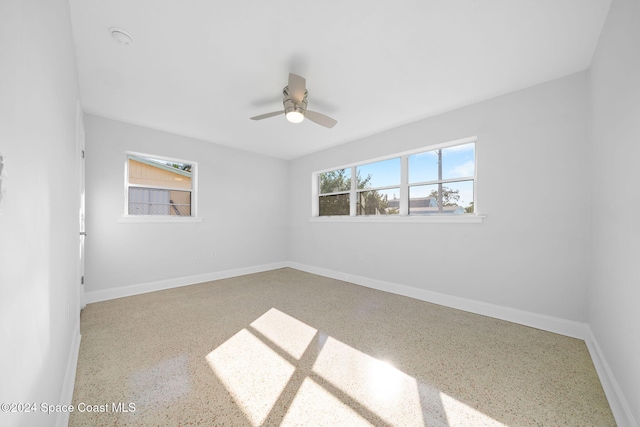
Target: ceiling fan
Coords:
[[295, 105]]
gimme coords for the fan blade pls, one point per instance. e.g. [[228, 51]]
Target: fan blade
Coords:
[[296, 88], [320, 119], [266, 116]]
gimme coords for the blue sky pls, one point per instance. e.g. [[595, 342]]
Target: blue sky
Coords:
[[457, 161]]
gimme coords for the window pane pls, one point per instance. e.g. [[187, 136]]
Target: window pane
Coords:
[[159, 173], [378, 174], [423, 199], [379, 202], [152, 201], [423, 167], [180, 203], [458, 161], [334, 205], [463, 190], [148, 201], [335, 181], [457, 198]]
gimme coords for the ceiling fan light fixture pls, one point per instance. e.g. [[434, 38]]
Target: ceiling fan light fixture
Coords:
[[295, 105], [295, 116]]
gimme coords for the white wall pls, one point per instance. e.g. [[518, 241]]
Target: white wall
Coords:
[[531, 251], [39, 213], [614, 292], [241, 199]]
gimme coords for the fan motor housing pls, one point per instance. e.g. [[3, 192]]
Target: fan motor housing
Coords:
[[290, 105]]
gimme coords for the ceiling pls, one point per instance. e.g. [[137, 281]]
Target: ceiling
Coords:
[[201, 68]]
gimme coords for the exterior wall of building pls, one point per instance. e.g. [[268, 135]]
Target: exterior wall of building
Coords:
[[145, 174]]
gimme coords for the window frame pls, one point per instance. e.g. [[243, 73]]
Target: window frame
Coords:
[[403, 215], [126, 217]]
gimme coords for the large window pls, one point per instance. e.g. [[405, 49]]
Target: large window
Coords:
[[436, 181], [158, 186]]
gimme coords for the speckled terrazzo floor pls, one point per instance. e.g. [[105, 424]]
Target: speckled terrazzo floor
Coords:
[[289, 348]]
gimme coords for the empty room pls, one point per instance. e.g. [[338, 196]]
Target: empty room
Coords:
[[319, 213]]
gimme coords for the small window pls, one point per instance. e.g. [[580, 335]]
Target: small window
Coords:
[[157, 186]]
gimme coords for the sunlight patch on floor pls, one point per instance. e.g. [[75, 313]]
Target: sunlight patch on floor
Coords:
[[314, 405], [253, 373], [288, 333], [339, 382], [378, 386]]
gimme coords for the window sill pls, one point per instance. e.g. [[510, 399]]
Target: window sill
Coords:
[[159, 218], [433, 219]]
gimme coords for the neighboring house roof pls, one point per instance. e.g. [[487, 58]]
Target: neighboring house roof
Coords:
[[416, 202], [434, 210], [423, 202], [426, 206]]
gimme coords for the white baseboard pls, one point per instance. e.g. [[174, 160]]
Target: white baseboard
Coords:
[[534, 320], [618, 403], [66, 394], [539, 321], [159, 285]]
